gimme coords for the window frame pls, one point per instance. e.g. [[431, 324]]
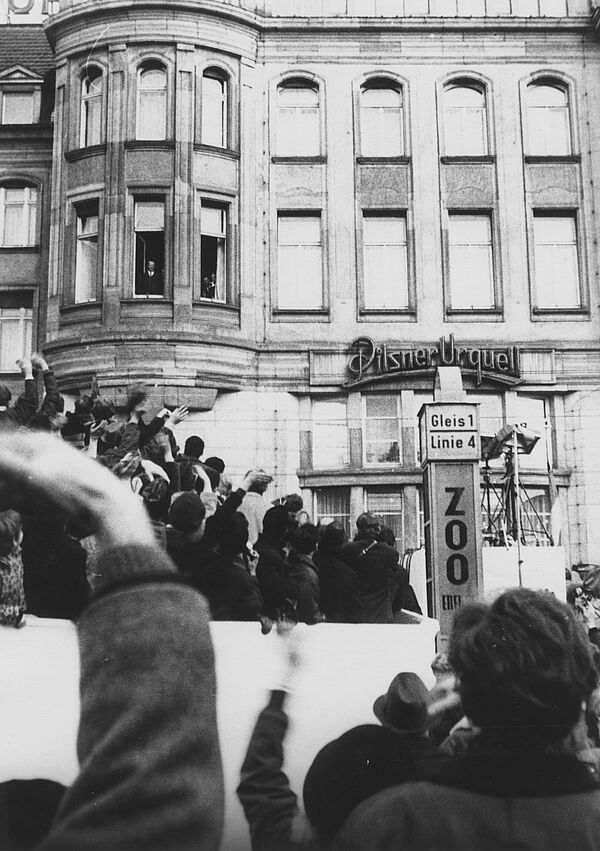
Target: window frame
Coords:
[[141, 194], [564, 84], [364, 420], [383, 489], [215, 72], [344, 490], [567, 213], [25, 183], [406, 216], [496, 287], [287, 213], [34, 320], [386, 83], [484, 87], [153, 64], [226, 205], [298, 80], [83, 101], [342, 402], [89, 206]]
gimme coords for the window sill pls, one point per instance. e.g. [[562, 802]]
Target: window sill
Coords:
[[400, 159], [78, 305], [474, 311], [19, 249], [466, 158], [560, 311], [552, 158], [298, 160], [149, 145], [82, 153], [143, 299], [211, 304], [215, 149], [300, 311], [408, 312]]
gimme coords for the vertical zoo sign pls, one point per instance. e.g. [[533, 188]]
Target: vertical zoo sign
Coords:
[[455, 523]]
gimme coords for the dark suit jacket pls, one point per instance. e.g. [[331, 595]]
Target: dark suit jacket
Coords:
[[150, 284]]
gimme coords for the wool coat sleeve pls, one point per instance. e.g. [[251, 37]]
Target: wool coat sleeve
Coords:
[[26, 405], [52, 397], [150, 772], [264, 791]]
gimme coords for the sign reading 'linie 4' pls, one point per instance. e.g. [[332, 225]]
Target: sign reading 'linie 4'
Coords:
[[450, 432], [370, 361]]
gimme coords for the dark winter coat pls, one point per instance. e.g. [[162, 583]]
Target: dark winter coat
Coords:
[[23, 409], [231, 592], [339, 600], [484, 801], [270, 573]]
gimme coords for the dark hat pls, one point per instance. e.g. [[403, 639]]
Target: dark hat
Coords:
[[187, 512], [215, 464], [5, 395], [194, 446], [347, 771], [367, 521], [333, 536], [275, 522], [404, 707]]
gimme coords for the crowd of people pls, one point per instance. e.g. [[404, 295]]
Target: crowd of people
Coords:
[[121, 533], [251, 559]]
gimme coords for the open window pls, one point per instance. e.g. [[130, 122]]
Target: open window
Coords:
[[149, 216], [214, 108]]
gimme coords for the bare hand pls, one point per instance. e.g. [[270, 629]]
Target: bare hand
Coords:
[[179, 414], [38, 361], [255, 477], [39, 465], [26, 367]]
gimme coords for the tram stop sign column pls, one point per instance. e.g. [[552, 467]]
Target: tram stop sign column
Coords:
[[450, 453]]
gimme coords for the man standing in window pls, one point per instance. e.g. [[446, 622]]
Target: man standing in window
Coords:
[[151, 282]]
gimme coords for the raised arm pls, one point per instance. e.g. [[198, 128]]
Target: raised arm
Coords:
[[150, 774]]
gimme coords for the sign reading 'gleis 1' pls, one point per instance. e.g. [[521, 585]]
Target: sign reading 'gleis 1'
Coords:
[[450, 432]]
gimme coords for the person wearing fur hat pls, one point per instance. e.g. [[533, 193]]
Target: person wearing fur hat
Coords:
[[25, 406]]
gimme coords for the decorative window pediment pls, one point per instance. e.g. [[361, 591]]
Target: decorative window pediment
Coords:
[[20, 74]]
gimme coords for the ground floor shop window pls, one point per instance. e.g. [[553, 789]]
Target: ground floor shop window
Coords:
[[332, 504], [386, 504]]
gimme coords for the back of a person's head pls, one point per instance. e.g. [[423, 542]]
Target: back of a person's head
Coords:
[[387, 536], [215, 463], [352, 768], [332, 537], [368, 524], [155, 495], [258, 487], [293, 503], [524, 666], [194, 447], [136, 395], [10, 531], [103, 409], [275, 523], [187, 512], [231, 532], [304, 538], [5, 396]]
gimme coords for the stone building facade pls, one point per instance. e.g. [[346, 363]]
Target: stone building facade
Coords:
[[332, 197]]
